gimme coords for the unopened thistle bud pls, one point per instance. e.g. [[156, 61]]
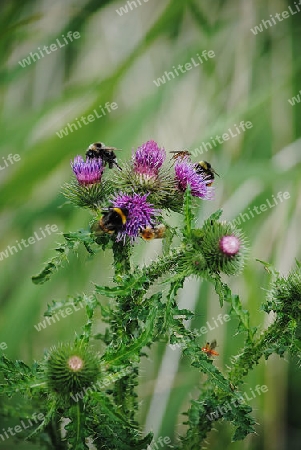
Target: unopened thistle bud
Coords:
[[285, 296], [223, 247], [71, 369]]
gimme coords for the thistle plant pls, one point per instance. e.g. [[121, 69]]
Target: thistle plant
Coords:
[[86, 389]]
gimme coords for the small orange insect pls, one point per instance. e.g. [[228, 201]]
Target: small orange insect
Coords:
[[209, 349], [180, 154], [150, 233]]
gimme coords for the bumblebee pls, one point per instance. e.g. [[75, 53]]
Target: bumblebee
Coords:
[[150, 233], [209, 349], [113, 220], [205, 169], [180, 154], [106, 154]]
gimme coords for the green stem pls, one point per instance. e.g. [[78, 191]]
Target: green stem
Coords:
[[123, 391], [78, 422], [254, 351], [122, 252]]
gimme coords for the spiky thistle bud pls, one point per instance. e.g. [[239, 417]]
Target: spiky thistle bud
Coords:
[[284, 296], [223, 247], [71, 368]]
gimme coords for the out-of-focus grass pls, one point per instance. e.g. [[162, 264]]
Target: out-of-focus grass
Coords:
[[117, 59]]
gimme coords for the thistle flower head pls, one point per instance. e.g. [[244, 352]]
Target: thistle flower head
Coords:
[[186, 175], [141, 214], [229, 245], [87, 172], [223, 247], [148, 159], [71, 368]]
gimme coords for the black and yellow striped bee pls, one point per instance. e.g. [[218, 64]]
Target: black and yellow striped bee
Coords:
[[106, 154], [205, 169], [113, 220]]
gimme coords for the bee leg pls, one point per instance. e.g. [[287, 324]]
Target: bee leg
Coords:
[[117, 165]]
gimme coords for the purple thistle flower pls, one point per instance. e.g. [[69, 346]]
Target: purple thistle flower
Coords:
[[186, 175], [87, 172], [148, 158], [229, 245], [141, 214]]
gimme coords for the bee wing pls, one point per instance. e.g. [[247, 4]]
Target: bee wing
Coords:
[[111, 148], [180, 151], [213, 344]]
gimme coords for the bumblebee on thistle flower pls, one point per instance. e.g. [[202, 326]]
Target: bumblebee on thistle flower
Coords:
[[131, 204], [101, 151], [187, 175], [203, 168]]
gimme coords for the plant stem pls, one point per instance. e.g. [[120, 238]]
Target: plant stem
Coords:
[[254, 351]]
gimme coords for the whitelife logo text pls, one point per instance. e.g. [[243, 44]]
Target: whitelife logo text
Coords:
[[129, 6], [12, 431], [47, 50], [276, 18], [85, 120], [9, 160], [281, 196], [183, 68], [61, 314], [38, 235], [220, 139], [294, 100], [210, 326], [226, 407]]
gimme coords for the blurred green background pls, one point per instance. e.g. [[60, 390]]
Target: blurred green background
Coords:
[[116, 59]]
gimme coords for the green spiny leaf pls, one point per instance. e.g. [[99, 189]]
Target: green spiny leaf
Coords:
[[145, 338]]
